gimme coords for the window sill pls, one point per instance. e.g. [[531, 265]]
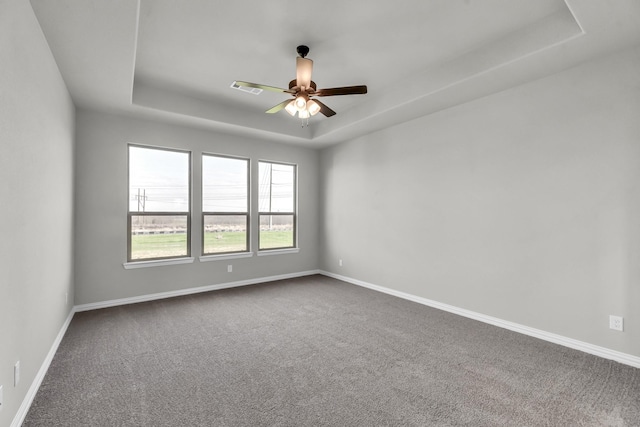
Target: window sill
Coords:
[[156, 263], [206, 258], [278, 251]]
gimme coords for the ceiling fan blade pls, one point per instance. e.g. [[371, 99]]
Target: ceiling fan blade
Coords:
[[347, 90], [265, 87], [324, 109], [304, 67], [278, 107]]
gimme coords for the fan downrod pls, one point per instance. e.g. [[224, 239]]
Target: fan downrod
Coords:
[[303, 50]]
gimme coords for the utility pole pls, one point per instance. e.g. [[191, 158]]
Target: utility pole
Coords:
[[142, 202], [142, 199], [270, 196]]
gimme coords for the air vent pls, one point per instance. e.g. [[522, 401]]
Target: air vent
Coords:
[[253, 90]]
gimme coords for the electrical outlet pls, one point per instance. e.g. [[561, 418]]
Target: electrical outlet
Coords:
[[616, 323], [229, 268], [0, 398], [340, 262], [16, 373]]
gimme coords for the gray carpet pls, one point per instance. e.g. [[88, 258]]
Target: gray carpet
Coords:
[[318, 351]]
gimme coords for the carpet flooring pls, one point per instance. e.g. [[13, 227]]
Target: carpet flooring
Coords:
[[315, 351]]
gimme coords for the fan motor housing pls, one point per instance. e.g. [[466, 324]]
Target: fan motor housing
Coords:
[[293, 83]]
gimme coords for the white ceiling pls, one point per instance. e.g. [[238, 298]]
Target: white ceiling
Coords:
[[175, 60]]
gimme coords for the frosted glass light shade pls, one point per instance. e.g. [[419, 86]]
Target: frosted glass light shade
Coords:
[[312, 107], [291, 108], [300, 103]]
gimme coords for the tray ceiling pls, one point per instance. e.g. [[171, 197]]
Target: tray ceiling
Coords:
[[174, 61]]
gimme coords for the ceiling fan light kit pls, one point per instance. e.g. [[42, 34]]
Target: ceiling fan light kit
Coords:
[[313, 107], [303, 89]]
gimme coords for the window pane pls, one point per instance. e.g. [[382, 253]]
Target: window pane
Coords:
[[276, 189], [225, 233], [158, 236], [158, 180], [276, 231], [224, 184]]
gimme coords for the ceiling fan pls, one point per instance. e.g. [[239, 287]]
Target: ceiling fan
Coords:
[[303, 90]]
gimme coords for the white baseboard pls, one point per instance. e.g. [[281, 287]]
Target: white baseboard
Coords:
[[603, 352], [18, 419], [189, 291]]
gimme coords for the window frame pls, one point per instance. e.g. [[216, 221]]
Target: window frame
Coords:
[[204, 213], [131, 214], [294, 213]]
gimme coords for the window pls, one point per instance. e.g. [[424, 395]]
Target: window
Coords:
[[277, 206], [225, 205], [159, 220]]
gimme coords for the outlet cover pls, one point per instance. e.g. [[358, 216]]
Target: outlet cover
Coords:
[[616, 323], [16, 373], [229, 268]]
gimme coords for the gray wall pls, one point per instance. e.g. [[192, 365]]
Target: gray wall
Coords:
[[102, 200], [524, 205], [36, 194]]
